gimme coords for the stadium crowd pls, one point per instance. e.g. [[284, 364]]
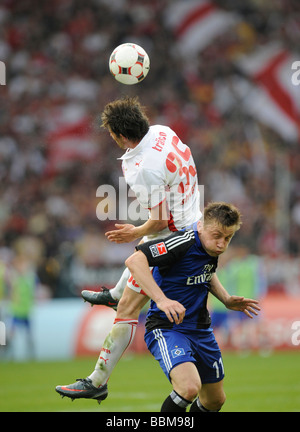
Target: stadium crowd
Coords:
[[56, 56]]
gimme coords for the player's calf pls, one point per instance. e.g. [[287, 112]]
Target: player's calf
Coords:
[[175, 403]]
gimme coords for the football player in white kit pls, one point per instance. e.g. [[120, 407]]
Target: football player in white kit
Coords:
[[161, 171]]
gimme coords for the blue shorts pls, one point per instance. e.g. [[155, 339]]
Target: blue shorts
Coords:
[[171, 348]]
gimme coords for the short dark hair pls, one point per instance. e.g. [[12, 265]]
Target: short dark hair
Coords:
[[223, 213], [126, 117]]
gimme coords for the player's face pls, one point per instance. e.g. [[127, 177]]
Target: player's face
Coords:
[[215, 238]]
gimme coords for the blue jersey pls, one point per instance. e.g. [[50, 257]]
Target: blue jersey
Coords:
[[183, 270]]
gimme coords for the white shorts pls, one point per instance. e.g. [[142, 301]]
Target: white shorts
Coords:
[[132, 284]]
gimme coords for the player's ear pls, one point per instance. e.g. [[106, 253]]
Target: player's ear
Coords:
[[199, 226], [123, 138]]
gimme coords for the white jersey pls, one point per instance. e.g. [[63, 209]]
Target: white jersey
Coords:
[[162, 168]]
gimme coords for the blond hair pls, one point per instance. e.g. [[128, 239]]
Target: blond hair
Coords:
[[223, 213]]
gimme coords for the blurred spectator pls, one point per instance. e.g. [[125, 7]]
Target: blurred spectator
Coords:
[[22, 284]]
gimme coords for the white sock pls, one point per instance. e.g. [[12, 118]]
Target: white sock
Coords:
[[117, 291], [117, 341]]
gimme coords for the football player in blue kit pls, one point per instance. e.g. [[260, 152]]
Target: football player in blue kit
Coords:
[[182, 339]]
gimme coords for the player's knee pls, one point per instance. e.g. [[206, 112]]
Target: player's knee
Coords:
[[219, 402], [190, 390], [216, 403]]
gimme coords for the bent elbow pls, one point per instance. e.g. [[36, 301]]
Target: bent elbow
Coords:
[[136, 261]]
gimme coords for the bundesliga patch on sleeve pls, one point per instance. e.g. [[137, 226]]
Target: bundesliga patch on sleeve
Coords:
[[158, 249]]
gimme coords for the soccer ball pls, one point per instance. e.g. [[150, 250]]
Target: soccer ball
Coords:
[[129, 63]]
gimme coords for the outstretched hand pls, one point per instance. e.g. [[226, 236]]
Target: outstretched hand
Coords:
[[124, 233], [248, 306]]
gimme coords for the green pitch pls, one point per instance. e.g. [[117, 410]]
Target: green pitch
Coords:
[[252, 383]]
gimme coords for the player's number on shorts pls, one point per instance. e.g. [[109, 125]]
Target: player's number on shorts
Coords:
[[217, 366]]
